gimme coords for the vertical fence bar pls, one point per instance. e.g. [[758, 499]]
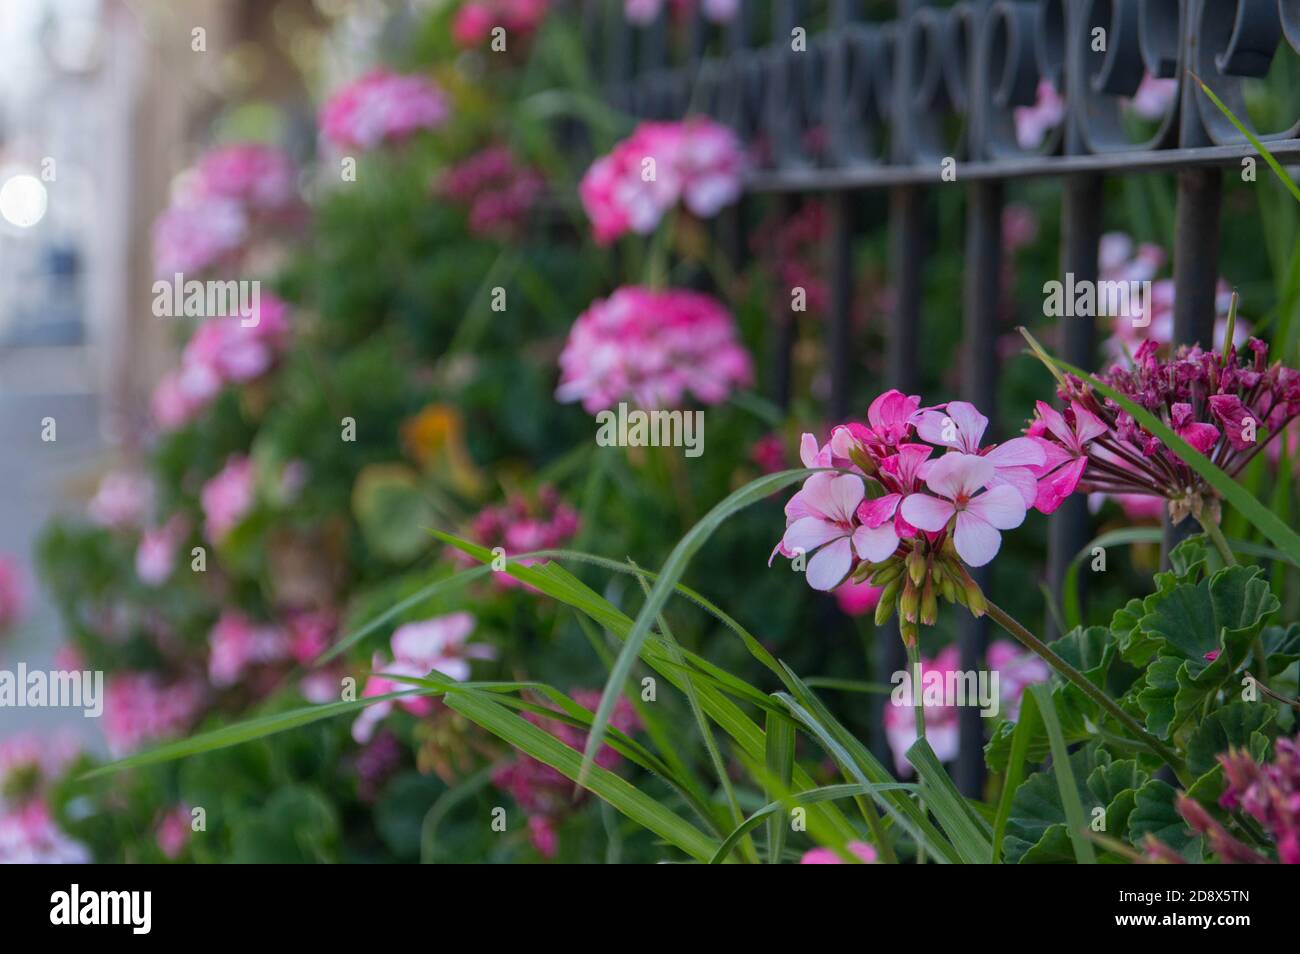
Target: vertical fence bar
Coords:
[[1196, 276], [907, 249], [839, 322], [1068, 530], [982, 294]]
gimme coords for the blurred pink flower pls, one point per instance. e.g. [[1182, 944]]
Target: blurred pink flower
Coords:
[[30, 836], [228, 497], [140, 708], [13, 596], [542, 521], [828, 856], [237, 644], [173, 831], [474, 21], [941, 721], [1033, 123], [497, 192], [440, 643], [29, 762], [260, 177], [652, 348], [1154, 96], [382, 107], [1017, 669], [857, 599], [122, 501], [198, 235], [695, 161], [155, 557]]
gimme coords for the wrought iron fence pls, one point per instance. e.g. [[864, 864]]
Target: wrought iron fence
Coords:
[[894, 100]]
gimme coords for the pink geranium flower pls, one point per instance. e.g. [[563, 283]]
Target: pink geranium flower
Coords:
[[826, 527], [653, 348], [237, 644], [122, 501], [382, 107], [155, 557], [942, 722], [828, 856], [228, 497], [967, 495], [1067, 456], [695, 161], [440, 643]]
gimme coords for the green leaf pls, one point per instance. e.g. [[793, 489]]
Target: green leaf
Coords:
[[1281, 646], [243, 732], [969, 833], [1154, 814], [780, 762], [619, 793], [673, 569], [1115, 788], [1229, 727], [774, 811], [1254, 140], [1029, 723]]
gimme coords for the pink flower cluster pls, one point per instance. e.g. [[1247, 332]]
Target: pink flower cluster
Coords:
[[544, 794], [173, 831], [220, 201], [228, 497], [12, 592], [440, 643], [122, 501], [1016, 670], [30, 762], [1269, 794], [382, 107], [523, 524], [1121, 261], [475, 20], [695, 161], [30, 836], [1033, 123], [497, 191], [1227, 406], [967, 496], [653, 348], [140, 708], [155, 557], [223, 351], [236, 644]]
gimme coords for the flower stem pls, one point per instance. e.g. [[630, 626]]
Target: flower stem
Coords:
[[918, 708], [1012, 626], [1218, 539]]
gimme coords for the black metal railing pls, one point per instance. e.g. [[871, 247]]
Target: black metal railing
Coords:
[[894, 99]]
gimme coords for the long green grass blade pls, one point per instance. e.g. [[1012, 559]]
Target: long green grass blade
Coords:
[[1026, 728], [673, 569], [969, 833], [618, 792], [1075, 819], [773, 811], [780, 763], [1254, 140]]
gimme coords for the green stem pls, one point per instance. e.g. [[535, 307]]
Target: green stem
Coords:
[[1012, 626], [1220, 541], [918, 709]]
